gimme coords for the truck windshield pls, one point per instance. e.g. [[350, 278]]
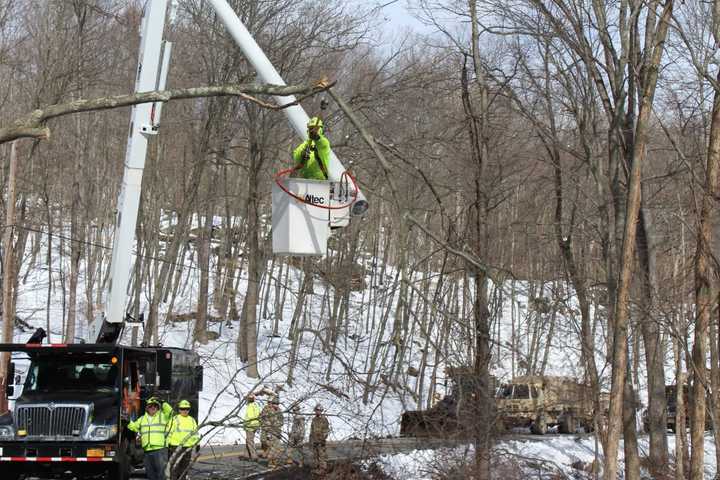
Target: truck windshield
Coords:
[[71, 373]]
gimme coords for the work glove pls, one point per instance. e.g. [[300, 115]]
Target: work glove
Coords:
[[323, 82], [197, 448]]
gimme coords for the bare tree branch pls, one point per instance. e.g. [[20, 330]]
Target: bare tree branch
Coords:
[[32, 125]]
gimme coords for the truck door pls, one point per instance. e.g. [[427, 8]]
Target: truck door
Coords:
[[131, 389]]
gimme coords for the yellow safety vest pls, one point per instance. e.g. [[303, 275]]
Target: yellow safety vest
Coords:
[[252, 416], [183, 432], [153, 430]]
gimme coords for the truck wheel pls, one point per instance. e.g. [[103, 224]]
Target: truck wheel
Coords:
[[121, 470], [567, 424], [12, 475], [539, 426]]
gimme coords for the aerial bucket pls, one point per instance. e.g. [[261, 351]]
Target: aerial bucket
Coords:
[[300, 217], [303, 212]]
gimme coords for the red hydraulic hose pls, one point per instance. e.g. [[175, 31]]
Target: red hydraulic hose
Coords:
[[283, 173]]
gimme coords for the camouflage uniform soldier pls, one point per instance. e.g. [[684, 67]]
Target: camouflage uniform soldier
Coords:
[[265, 414], [297, 436], [319, 430], [272, 425]]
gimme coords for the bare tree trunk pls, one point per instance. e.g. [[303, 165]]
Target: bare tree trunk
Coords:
[[48, 261], [200, 333], [8, 313], [681, 445], [630, 445], [705, 295], [75, 255], [715, 386], [255, 261], [619, 355], [654, 352], [478, 137]]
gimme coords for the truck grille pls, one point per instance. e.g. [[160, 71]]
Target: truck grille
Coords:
[[52, 420]]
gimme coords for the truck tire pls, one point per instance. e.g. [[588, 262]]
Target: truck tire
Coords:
[[500, 427], [119, 471], [539, 426], [589, 426], [122, 469], [567, 424], [12, 474]]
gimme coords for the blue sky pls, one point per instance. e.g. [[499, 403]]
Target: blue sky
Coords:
[[394, 16]]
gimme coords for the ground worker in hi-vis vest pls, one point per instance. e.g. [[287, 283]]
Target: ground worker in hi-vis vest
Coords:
[[312, 157], [152, 427], [251, 422], [182, 438]]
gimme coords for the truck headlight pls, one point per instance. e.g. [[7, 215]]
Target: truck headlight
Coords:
[[100, 432], [7, 432]]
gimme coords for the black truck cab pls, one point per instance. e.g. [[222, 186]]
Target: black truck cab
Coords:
[[76, 402]]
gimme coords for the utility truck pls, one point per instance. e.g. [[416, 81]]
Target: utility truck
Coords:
[[71, 416]]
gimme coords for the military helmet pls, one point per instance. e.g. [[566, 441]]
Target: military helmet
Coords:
[[319, 408], [184, 404], [315, 122]]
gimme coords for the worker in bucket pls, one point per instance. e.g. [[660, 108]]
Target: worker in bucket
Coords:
[[312, 157]]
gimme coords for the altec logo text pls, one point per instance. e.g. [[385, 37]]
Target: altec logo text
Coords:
[[312, 199]]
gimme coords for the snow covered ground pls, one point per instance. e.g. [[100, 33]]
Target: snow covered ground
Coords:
[[541, 459]]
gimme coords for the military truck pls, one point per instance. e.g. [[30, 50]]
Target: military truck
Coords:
[[540, 402], [71, 415], [445, 418]]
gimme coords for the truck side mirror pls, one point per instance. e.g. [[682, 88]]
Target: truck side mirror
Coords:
[[199, 377]]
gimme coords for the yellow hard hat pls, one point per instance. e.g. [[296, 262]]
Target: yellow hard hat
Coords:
[[315, 122]]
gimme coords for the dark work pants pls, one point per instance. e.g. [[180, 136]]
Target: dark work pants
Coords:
[[155, 462]]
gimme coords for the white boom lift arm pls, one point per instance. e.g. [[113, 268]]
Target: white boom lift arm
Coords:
[[153, 63]]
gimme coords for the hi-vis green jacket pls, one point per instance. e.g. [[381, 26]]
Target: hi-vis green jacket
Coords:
[[252, 416], [183, 432], [153, 429], [315, 148]]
